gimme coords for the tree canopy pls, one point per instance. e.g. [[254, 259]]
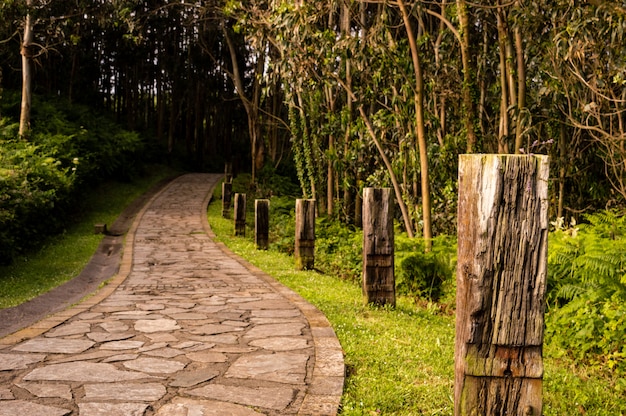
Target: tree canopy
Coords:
[[347, 94]]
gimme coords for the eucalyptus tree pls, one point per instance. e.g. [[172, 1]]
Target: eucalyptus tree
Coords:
[[27, 57], [587, 61]]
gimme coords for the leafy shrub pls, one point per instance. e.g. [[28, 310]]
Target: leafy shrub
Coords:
[[338, 249], [428, 276], [282, 224], [33, 185], [423, 275], [69, 147], [587, 289]]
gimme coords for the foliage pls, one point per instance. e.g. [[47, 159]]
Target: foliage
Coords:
[[587, 289], [426, 275], [33, 185], [338, 249], [41, 179]]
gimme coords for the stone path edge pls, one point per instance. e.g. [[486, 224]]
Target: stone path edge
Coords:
[[326, 386], [91, 299]]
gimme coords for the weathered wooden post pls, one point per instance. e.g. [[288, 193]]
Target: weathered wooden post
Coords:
[[261, 223], [228, 172], [379, 284], [305, 234], [227, 191], [240, 214], [501, 283]]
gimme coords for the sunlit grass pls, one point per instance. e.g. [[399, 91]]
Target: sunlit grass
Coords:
[[64, 256], [401, 361]]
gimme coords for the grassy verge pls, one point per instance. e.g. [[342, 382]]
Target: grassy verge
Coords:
[[401, 361], [64, 256]]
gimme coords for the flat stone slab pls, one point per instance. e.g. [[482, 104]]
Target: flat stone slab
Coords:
[[207, 357], [19, 361], [114, 326], [276, 330], [189, 407], [280, 343], [55, 345], [275, 398], [74, 328], [121, 345], [154, 365], [194, 377], [112, 409], [166, 352], [279, 367], [156, 325], [48, 390], [22, 407], [132, 392], [214, 329], [5, 394], [106, 336], [83, 371]]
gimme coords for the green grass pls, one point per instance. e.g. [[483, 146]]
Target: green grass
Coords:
[[401, 361], [62, 257]]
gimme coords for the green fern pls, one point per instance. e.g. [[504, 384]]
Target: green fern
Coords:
[[587, 289]]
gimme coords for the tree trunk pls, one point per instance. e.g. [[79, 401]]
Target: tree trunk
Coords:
[[503, 131], [27, 56], [420, 129], [521, 90], [468, 74], [501, 283]]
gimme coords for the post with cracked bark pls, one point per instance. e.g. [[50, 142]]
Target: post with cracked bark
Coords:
[[240, 215], [379, 284], [305, 234], [501, 283]]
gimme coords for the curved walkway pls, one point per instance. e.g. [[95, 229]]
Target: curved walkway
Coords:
[[184, 328]]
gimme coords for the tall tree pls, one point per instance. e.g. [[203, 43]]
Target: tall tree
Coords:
[[27, 56]]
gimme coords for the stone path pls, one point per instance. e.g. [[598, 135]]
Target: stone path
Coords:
[[185, 328]]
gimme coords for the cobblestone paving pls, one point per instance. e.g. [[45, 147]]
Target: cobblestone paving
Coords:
[[185, 328]]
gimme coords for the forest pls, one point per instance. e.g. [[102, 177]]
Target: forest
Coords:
[[333, 96]]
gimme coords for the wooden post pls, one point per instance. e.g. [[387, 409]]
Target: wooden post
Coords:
[[261, 223], [379, 285], [501, 284], [228, 172], [240, 215], [305, 234], [227, 192]]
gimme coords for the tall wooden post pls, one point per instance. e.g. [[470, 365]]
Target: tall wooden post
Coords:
[[305, 234], [379, 285], [261, 223], [227, 191], [501, 283], [228, 172], [240, 215]]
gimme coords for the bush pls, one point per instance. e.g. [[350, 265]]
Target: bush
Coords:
[[587, 289], [429, 276], [32, 187], [69, 147]]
